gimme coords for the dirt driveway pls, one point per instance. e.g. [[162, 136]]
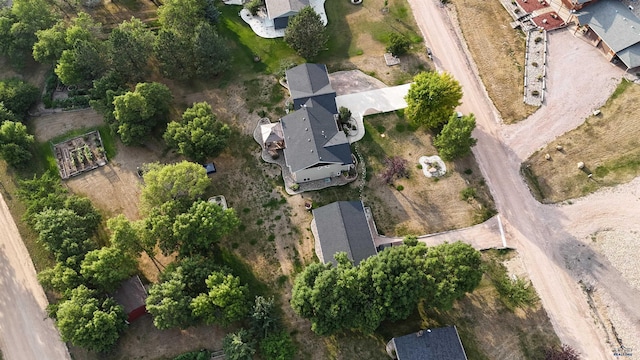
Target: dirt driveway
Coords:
[[26, 332], [542, 236]]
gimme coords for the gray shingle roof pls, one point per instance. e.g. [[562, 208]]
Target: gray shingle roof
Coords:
[[614, 23], [131, 294], [343, 227], [630, 56], [431, 344], [312, 138], [280, 8], [307, 80]]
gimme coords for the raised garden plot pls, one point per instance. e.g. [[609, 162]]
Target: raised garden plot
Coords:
[[80, 154]]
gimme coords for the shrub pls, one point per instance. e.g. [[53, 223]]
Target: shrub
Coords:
[[399, 187], [535, 93], [395, 167], [344, 114], [398, 44], [468, 171], [538, 39], [253, 6], [278, 346], [468, 193], [534, 64], [419, 166]]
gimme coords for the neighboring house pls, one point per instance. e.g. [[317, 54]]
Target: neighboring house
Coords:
[[615, 29], [342, 227], [315, 147], [132, 295], [279, 11], [308, 81], [430, 344]]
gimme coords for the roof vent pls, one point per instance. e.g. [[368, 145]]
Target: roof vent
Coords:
[[306, 129], [428, 330], [309, 140], [304, 118], [311, 150], [420, 333]]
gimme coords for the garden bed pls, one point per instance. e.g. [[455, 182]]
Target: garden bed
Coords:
[[80, 154]]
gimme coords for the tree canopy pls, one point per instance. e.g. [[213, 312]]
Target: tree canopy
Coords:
[[224, 303], [17, 97], [238, 346], [19, 24], [432, 98], [199, 135], [61, 231], [306, 34], [137, 112], [455, 141], [197, 230], [15, 143], [183, 182], [130, 46], [90, 322], [106, 268], [387, 286]]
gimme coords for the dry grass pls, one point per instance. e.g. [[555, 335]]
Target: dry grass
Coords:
[[607, 144], [498, 51]]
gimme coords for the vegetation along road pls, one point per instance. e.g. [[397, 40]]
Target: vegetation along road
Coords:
[[26, 332], [536, 230]]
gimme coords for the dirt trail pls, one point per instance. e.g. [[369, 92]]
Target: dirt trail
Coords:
[[538, 231], [25, 330]]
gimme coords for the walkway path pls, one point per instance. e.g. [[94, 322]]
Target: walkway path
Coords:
[[26, 332], [487, 235], [373, 102]]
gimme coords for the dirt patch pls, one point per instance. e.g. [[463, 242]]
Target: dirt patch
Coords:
[[47, 127], [500, 62], [607, 144]]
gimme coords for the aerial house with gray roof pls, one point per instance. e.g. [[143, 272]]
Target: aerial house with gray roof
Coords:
[[315, 147], [430, 344], [281, 10], [342, 226], [614, 28]]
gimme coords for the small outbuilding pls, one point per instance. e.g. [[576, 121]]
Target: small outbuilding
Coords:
[[429, 344], [132, 295], [342, 226]]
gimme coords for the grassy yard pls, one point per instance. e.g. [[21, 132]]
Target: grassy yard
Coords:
[[607, 144], [498, 51]]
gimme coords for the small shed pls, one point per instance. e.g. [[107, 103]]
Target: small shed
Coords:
[[132, 296]]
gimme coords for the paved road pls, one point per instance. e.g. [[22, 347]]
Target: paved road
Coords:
[[25, 330], [536, 229]]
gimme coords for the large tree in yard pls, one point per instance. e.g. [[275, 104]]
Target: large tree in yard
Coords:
[[197, 230], [183, 182], [225, 302], [107, 267], [15, 143], [137, 112], [89, 321], [432, 99], [17, 96], [387, 286], [306, 34], [455, 141], [130, 46], [199, 135]]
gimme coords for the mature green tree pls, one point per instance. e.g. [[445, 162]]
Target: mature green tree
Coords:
[[170, 304], [106, 268], [455, 141], [60, 278], [225, 302], [90, 322], [15, 143], [197, 230], [432, 99], [103, 92], [18, 96], [384, 287], [130, 46], [63, 35], [40, 193], [182, 15], [306, 34], [6, 114], [129, 237], [398, 44], [19, 24], [211, 56], [137, 112], [62, 232], [84, 208], [170, 48], [157, 226], [199, 135], [183, 182], [238, 346], [82, 63]]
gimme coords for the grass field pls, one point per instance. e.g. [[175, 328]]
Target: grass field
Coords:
[[498, 51], [607, 144]]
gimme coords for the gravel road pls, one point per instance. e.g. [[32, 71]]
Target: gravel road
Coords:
[[25, 330], [541, 233]]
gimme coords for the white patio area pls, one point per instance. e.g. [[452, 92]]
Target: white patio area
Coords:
[[372, 102], [263, 26]]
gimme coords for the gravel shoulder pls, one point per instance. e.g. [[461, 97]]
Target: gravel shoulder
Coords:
[[25, 330]]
